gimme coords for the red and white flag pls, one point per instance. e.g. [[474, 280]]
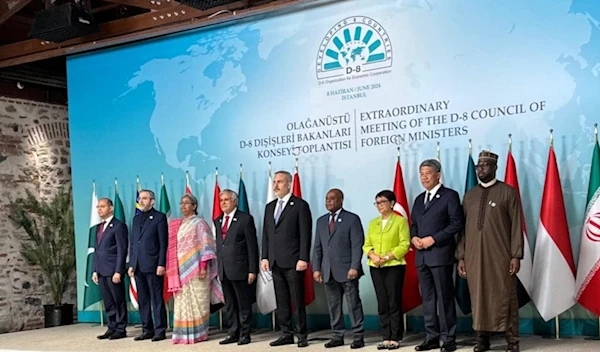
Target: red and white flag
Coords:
[[411, 296], [553, 278], [588, 270], [524, 275], [309, 286], [188, 185], [216, 212]]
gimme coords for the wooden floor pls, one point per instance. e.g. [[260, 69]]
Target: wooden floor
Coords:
[[82, 337]]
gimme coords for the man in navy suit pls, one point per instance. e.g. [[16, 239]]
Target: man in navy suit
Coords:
[[437, 217], [287, 234], [147, 261], [337, 263], [109, 269], [237, 259]]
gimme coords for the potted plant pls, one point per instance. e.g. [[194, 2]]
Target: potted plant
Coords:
[[50, 244]]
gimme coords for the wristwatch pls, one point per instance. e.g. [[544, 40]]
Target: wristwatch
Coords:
[[387, 257]]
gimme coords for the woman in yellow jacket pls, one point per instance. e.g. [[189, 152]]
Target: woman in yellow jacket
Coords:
[[386, 243]]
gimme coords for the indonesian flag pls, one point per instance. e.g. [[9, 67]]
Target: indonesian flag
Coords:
[[553, 279], [588, 275], [411, 296], [524, 275], [309, 286]]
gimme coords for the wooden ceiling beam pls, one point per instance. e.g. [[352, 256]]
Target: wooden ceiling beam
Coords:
[[139, 27], [146, 4], [10, 7]]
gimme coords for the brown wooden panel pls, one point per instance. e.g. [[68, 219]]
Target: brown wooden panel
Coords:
[[141, 27], [10, 7]]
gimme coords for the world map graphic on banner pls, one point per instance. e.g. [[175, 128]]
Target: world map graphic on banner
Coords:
[[341, 86]]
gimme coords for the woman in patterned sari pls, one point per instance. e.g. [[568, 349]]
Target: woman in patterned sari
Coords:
[[192, 273]]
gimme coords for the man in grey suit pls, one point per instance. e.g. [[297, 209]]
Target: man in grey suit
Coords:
[[337, 263]]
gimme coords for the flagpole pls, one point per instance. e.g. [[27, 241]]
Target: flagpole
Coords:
[[438, 152], [102, 313], [403, 315], [510, 143], [273, 312], [595, 338], [556, 319]]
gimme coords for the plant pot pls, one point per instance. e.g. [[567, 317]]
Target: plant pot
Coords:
[[58, 315]]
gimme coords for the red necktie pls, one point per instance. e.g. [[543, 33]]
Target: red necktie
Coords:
[[100, 231], [331, 223], [224, 228]]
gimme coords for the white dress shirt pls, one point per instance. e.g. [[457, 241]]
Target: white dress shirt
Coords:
[[285, 200]]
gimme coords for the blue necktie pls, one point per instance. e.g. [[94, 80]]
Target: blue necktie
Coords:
[[279, 210]]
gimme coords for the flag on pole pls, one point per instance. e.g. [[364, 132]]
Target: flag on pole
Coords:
[[411, 296], [309, 286], [265, 289], [588, 274], [119, 214], [188, 185], [242, 195], [133, 296], [553, 279], [165, 207], [461, 287], [216, 200], [91, 293], [524, 274]]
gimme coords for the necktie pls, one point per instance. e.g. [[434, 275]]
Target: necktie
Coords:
[[331, 223], [100, 231], [279, 210], [224, 228], [427, 200]]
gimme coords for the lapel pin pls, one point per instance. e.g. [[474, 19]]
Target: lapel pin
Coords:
[[234, 219], [221, 220], [291, 203], [339, 220], [110, 225], [437, 195], [493, 204], [151, 217]]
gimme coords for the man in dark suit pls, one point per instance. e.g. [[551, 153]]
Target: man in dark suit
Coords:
[[286, 251], [237, 258], [437, 217], [337, 263], [147, 260], [109, 268]]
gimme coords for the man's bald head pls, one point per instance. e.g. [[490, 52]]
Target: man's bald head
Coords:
[[334, 200]]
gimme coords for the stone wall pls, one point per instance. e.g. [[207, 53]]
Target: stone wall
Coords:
[[35, 156]]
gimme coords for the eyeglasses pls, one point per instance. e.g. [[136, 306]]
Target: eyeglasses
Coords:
[[381, 203], [186, 203]]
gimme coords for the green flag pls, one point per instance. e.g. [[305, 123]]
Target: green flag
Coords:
[[164, 206], [91, 293], [119, 210], [463, 297], [243, 197]]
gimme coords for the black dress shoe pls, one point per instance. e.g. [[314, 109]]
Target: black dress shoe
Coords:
[[143, 337], [302, 342], [449, 346], [159, 338], [244, 340], [117, 335], [105, 335], [283, 340], [428, 345], [513, 347], [334, 343], [228, 340], [481, 347], [357, 344]]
